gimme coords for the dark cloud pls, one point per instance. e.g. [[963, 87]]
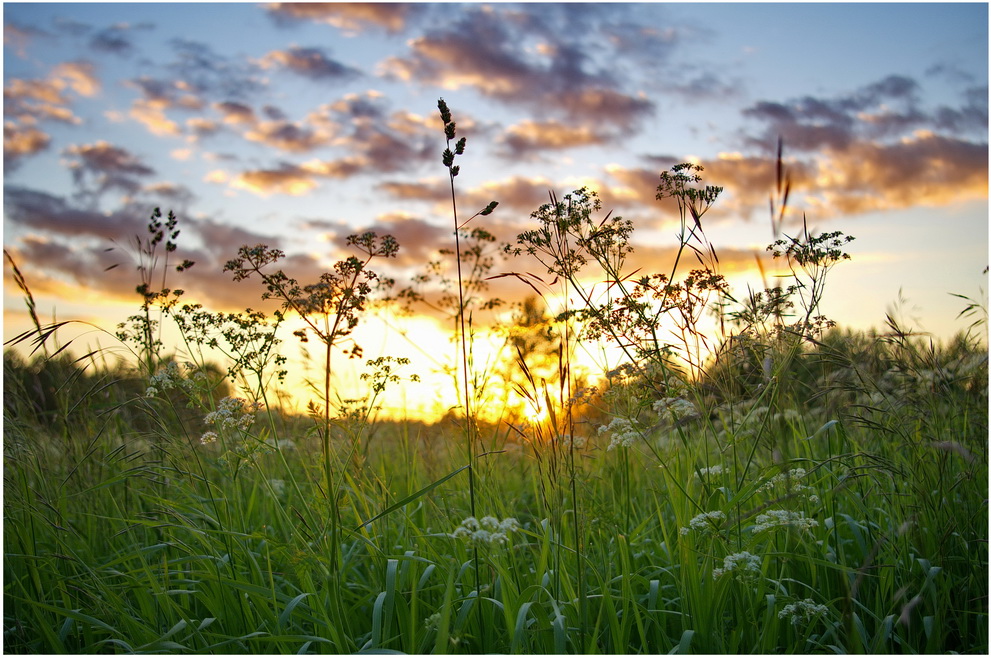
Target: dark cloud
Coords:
[[419, 240], [213, 75], [312, 63], [287, 136], [483, 52], [41, 211], [352, 17], [888, 108], [97, 168], [117, 39], [68, 249], [235, 112]]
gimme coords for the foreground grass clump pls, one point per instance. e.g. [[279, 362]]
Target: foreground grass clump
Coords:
[[782, 486], [796, 534]]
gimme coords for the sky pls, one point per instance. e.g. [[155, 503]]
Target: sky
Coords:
[[295, 125]]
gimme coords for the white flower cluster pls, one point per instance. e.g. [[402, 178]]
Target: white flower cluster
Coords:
[[233, 413], [781, 517], [745, 566], [166, 379], [568, 441], [802, 611], [791, 477], [679, 408], [489, 530], [624, 433], [792, 480], [788, 416], [712, 470], [704, 522]]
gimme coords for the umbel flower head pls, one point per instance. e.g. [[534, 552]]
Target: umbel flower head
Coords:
[[487, 531]]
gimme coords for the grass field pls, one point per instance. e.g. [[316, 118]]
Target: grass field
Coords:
[[784, 486]]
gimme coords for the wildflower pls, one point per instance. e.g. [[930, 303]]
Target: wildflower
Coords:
[[576, 441], [704, 522], [489, 530], [792, 480], [712, 470], [278, 486], [789, 416], [781, 517], [166, 379], [676, 408], [233, 413], [803, 611], [623, 431], [745, 566], [208, 437], [432, 622]]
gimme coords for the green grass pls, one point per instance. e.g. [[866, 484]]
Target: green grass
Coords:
[[123, 540], [782, 487]]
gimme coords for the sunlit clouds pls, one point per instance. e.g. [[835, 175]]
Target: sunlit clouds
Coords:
[[296, 125]]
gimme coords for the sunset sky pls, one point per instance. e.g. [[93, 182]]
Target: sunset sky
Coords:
[[296, 125]]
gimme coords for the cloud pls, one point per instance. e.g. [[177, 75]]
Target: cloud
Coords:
[[28, 102], [287, 179], [157, 96], [41, 211], [65, 251], [20, 142], [117, 39], [886, 109], [876, 148], [312, 63], [211, 75], [287, 136], [922, 170], [527, 138], [235, 113], [107, 166], [18, 37], [353, 18], [419, 240], [483, 52]]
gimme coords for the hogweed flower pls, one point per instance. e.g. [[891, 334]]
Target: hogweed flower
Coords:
[[803, 611], [677, 408], [704, 522], [208, 438], [167, 378], [792, 480], [624, 433], [487, 531], [780, 517], [745, 566], [233, 413], [711, 470]]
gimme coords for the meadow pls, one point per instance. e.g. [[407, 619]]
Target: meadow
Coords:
[[780, 485]]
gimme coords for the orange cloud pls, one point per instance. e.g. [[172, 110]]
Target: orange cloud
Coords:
[[353, 17], [21, 141], [288, 180], [529, 136]]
